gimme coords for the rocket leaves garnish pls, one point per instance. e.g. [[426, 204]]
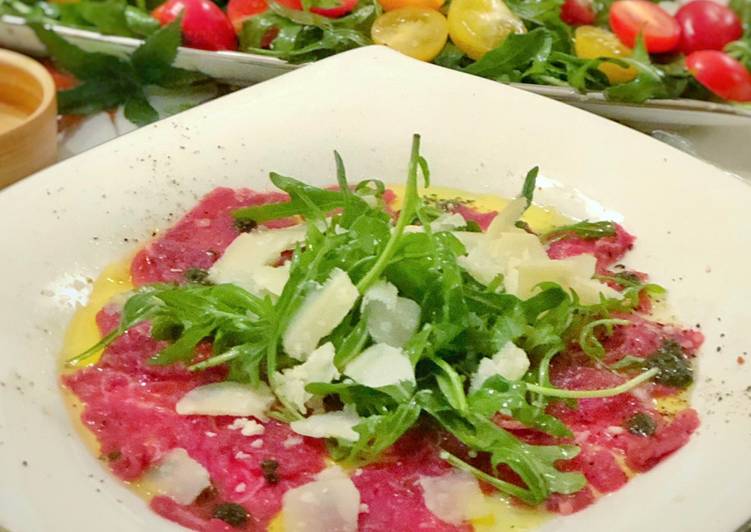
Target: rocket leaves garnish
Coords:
[[461, 322]]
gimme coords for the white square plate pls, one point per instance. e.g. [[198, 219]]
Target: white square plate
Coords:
[[65, 224]]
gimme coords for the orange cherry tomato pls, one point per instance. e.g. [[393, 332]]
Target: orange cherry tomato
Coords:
[[478, 26], [591, 42], [414, 31]]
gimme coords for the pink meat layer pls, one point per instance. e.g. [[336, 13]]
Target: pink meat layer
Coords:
[[607, 250], [391, 491], [198, 239], [130, 407]]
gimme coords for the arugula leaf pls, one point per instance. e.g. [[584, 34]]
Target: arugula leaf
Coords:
[[194, 312], [452, 57], [528, 189], [535, 465], [378, 432], [500, 395], [409, 207], [301, 198], [584, 229], [513, 57], [545, 14], [651, 82]]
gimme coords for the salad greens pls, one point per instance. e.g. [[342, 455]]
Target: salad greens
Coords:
[[110, 17], [462, 321], [303, 36]]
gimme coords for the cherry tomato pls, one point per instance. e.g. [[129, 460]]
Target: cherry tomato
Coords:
[[204, 25], [628, 18], [578, 12], [344, 7], [240, 10], [415, 31], [707, 25], [390, 5], [721, 74], [591, 42], [478, 26]]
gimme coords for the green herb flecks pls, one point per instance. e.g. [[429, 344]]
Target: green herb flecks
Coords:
[[673, 365], [231, 513], [641, 424], [269, 469]]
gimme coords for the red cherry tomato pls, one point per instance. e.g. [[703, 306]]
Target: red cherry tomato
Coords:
[[578, 12], [721, 74], [240, 10], [707, 25], [204, 25], [628, 18], [344, 7]]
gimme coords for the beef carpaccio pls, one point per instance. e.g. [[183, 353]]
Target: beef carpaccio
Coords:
[[425, 450]]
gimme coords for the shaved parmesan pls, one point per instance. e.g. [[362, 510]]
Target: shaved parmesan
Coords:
[[381, 292], [454, 497], [500, 255], [247, 261], [510, 362], [331, 503], [178, 477], [226, 398], [506, 219], [319, 367], [321, 311], [381, 365], [390, 319], [247, 427], [448, 222], [337, 424], [470, 239], [522, 261], [573, 273]]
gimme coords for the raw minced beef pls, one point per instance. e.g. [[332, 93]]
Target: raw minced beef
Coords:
[[129, 404]]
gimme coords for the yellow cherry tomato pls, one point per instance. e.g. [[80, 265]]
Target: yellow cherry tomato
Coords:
[[591, 42], [390, 5], [478, 26], [414, 31]]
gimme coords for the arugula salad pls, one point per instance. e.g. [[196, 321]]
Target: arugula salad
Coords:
[[338, 316], [631, 50]]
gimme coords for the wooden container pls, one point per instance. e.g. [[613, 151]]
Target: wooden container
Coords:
[[28, 115]]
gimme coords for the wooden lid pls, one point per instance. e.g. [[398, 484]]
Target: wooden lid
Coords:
[[28, 114]]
